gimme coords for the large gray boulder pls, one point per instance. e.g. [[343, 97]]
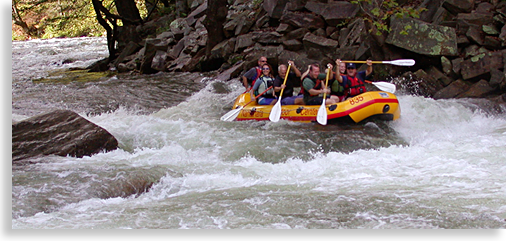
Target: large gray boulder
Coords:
[[61, 133], [437, 40]]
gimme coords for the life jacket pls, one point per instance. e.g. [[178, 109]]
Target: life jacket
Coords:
[[265, 84], [317, 86], [354, 86], [259, 73]]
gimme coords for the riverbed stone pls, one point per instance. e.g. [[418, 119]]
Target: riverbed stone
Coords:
[[60, 132]]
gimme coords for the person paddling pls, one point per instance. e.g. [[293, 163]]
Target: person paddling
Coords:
[[312, 86], [288, 98], [353, 81]]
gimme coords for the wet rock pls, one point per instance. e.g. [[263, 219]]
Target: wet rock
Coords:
[[451, 91], [61, 133], [480, 89], [428, 85], [437, 40]]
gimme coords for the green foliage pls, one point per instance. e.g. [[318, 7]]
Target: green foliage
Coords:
[[63, 18], [384, 10]]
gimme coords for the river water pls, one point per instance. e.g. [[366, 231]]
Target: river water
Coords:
[[442, 165]]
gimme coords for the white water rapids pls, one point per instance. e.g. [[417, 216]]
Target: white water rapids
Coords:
[[442, 165]]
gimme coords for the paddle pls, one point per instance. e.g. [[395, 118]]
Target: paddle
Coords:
[[321, 117], [231, 115], [276, 109], [384, 86], [398, 62]]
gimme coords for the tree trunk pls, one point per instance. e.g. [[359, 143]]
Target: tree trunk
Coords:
[[128, 12], [97, 5], [217, 11]]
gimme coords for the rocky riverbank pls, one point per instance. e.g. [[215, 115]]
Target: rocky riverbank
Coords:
[[459, 46]]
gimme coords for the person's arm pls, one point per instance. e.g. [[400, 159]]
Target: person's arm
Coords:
[[368, 71], [309, 86], [303, 76], [244, 82], [250, 74], [330, 67], [338, 76], [255, 87], [295, 69]]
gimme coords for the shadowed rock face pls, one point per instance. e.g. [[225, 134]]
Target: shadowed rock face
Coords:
[[60, 132]]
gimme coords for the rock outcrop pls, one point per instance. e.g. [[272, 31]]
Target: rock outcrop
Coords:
[[60, 132], [462, 41]]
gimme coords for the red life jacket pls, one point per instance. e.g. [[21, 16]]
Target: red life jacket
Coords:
[[259, 72], [354, 86], [318, 85]]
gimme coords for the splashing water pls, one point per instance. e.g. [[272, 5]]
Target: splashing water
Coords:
[[441, 165]]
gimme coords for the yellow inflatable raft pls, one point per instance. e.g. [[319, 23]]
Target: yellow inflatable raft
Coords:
[[371, 104]]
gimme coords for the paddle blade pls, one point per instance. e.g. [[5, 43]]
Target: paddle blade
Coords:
[[401, 62], [231, 115], [384, 86], [275, 112], [321, 117]]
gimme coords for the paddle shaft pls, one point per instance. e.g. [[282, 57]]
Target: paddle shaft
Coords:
[[284, 82], [361, 61], [321, 116], [325, 87], [276, 109], [398, 62]]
